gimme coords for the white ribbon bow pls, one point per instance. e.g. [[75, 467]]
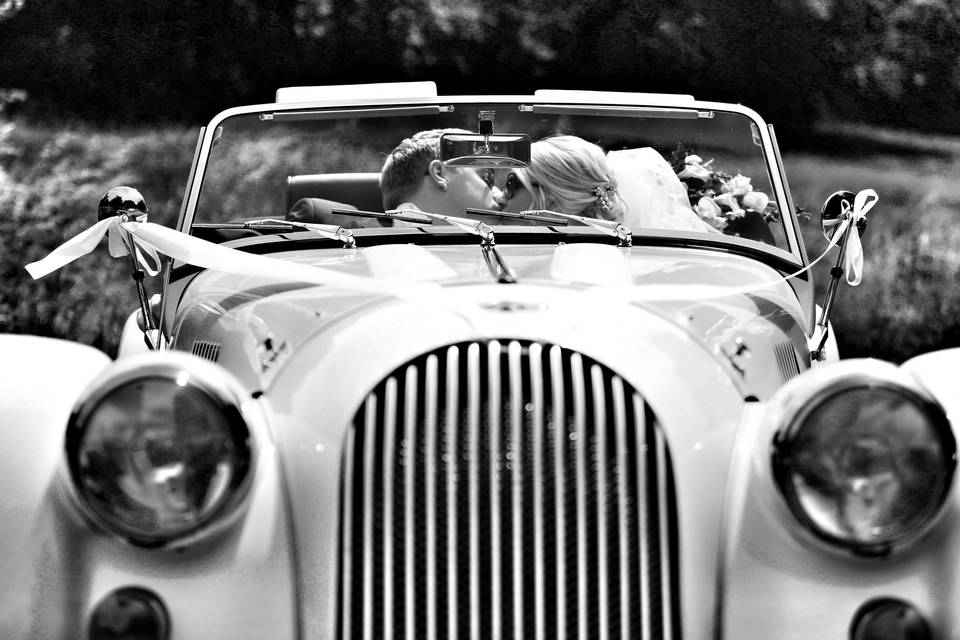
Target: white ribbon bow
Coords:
[[86, 241], [151, 239], [853, 258]]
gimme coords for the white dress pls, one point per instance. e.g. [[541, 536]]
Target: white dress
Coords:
[[655, 197]]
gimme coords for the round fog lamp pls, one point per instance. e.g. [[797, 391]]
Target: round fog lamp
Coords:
[[889, 619], [157, 457], [867, 467], [130, 613]]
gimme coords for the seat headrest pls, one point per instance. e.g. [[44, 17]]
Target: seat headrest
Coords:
[[320, 211], [361, 190]]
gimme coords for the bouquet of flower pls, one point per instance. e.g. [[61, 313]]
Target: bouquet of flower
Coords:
[[725, 202]]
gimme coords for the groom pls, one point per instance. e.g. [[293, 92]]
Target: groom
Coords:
[[414, 178]]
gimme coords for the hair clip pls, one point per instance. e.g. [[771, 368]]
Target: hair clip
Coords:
[[603, 195]]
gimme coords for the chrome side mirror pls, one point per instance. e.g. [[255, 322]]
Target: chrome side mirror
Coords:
[[123, 201], [836, 208], [833, 210], [127, 204]]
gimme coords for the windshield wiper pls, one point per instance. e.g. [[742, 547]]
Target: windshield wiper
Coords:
[[498, 268], [538, 216], [609, 227], [332, 231]]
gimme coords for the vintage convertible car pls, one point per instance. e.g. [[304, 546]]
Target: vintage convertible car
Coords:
[[328, 420]]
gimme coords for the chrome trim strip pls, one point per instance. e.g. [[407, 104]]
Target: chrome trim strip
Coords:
[[514, 354], [410, 456], [666, 604], [494, 381], [473, 482], [560, 442], [642, 518], [453, 455], [600, 424], [346, 574], [620, 431], [389, 486], [580, 425], [535, 355], [430, 424], [369, 460]]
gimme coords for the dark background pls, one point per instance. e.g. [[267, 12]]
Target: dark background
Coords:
[[863, 93], [879, 61]]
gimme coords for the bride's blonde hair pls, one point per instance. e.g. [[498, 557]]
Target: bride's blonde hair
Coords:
[[570, 175]]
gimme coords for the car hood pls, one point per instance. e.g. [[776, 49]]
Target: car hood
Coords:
[[748, 320]]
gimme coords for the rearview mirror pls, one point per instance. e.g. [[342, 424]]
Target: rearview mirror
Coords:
[[494, 151]]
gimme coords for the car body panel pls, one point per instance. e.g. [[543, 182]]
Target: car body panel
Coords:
[[705, 339]]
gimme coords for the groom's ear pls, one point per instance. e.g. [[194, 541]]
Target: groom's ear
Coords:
[[435, 171]]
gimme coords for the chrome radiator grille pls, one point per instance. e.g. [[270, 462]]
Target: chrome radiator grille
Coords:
[[507, 490]]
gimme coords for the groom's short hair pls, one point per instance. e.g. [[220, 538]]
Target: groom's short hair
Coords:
[[405, 166]]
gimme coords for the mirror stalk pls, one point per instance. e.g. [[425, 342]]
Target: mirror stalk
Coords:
[[151, 335], [836, 272]]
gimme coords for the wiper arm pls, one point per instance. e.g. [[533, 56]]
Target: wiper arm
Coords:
[[332, 231], [609, 227], [498, 268]]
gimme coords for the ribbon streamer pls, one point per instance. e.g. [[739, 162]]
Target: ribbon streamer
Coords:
[[149, 239]]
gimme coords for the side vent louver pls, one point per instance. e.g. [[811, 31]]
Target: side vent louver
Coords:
[[786, 360], [206, 350]]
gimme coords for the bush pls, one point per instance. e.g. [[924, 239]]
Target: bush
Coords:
[[51, 181], [906, 304]]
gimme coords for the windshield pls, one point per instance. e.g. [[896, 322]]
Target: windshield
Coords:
[[675, 171]]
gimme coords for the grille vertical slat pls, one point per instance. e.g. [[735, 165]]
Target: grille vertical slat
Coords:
[[369, 460], [600, 419], [347, 534], [507, 490], [410, 459], [390, 487], [473, 483], [517, 448], [537, 422], [642, 524], [431, 381], [559, 447], [664, 519], [580, 448], [496, 473], [623, 505], [453, 454]]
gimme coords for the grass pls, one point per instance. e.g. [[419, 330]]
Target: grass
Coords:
[[51, 180]]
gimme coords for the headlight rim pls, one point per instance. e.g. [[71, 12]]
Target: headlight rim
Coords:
[[808, 400], [218, 387]]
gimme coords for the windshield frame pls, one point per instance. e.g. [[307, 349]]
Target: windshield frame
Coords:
[[599, 102]]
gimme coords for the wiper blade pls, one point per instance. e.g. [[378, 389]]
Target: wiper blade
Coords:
[[332, 231], [538, 216], [495, 262], [609, 227], [394, 214], [498, 267]]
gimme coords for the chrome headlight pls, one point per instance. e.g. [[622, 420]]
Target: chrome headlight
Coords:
[[864, 456], [159, 448]]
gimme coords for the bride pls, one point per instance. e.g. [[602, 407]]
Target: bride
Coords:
[[634, 186]]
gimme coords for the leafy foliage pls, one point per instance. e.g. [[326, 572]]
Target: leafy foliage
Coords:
[[889, 62], [50, 184]]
